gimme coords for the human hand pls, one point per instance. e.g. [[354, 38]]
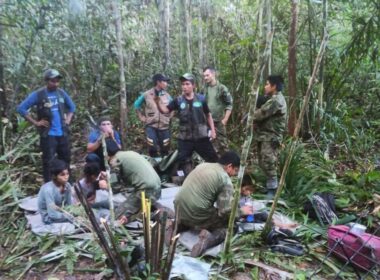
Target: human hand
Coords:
[[213, 135], [224, 122], [123, 220], [247, 210], [103, 184], [42, 123]]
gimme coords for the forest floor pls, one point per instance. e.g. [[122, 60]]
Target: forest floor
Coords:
[[26, 256]]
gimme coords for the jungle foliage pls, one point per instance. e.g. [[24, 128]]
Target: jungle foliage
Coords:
[[339, 151]]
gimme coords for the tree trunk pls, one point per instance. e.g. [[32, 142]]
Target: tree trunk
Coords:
[[164, 31], [186, 31], [292, 70], [123, 94], [3, 97]]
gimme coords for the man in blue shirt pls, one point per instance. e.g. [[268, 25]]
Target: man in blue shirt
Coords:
[[94, 145], [55, 110]]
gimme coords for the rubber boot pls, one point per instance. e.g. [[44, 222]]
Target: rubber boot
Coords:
[[271, 186], [207, 240]]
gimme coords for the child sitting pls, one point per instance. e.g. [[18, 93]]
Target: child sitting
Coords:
[[55, 194]]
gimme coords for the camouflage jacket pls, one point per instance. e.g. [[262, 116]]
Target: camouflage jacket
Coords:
[[270, 120], [218, 100]]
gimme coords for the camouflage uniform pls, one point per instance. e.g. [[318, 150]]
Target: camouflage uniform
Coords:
[[136, 173], [270, 122], [206, 184], [219, 100]]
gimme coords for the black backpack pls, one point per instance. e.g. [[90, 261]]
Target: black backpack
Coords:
[[321, 206]]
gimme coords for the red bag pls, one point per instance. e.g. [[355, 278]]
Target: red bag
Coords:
[[363, 250]]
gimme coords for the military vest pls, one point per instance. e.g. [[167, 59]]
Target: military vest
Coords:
[[44, 110], [192, 119], [154, 117]]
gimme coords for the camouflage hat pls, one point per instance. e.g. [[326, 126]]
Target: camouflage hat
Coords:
[[51, 74], [187, 77]]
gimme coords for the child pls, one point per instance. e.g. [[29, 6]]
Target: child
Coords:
[[247, 189], [55, 193], [92, 181]]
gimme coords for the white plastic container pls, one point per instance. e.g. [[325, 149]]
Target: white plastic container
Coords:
[[358, 229]]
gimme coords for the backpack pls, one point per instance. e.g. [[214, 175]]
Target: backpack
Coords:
[[321, 206]]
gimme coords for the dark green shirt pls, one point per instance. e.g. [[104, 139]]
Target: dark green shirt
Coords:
[[218, 100]]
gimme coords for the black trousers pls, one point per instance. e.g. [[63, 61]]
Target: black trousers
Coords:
[[50, 146], [202, 146]]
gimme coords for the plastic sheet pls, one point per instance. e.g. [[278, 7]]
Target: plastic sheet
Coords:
[[188, 268]]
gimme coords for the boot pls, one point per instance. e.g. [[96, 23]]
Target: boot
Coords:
[[207, 240]]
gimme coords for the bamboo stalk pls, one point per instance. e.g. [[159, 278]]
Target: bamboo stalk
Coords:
[[247, 143], [154, 247], [169, 258], [101, 238], [118, 257], [161, 237], [294, 142], [108, 174]]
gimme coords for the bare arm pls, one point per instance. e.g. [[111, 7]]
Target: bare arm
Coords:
[[69, 116], [161, 107], [226, 117], [210, 122], [140, 116], [40, 123], [92, 147]]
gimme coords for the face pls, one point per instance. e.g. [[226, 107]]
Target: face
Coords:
[[62, 178], [163, 85], [209, 76], [269, 89], [53, 83], [246, 191], [106, 126], [187, 87], [232, 170]]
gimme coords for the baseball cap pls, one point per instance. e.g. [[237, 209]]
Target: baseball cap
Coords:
[[51, 74], [187, 77], [159, 77]]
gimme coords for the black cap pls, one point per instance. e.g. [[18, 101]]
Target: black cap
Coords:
[[51, 74], [160, 77], [187, 77]]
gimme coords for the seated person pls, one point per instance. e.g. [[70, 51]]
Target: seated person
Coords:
[[135, 172], [92, 181], [206, 185], [247, 189], [55, 193], [94, 145]]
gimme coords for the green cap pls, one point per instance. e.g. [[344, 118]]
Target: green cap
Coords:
[[187, 77]]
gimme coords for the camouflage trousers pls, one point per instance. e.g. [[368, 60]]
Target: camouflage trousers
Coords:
[[221, 142], [133, 203], [214, 222], [268, 157]]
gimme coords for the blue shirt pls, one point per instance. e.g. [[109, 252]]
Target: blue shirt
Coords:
[[55, 123], [95, 134]]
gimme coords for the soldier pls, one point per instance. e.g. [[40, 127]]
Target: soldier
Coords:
[[55, 110], [194, 120], [207, 185], [269, 125], [219, 101], [157, 124]]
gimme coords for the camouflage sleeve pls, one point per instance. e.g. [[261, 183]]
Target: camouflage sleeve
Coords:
[[270, 108], [227, 98], [224, 200]]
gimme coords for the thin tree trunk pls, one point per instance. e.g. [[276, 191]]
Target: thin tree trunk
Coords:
[[164, 28], [123, 94], [292, 68], [294, 142], [186, 29], [321, 72], [3, 97], [200, 35]]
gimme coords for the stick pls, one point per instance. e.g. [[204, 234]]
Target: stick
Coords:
[[294, 142], [169, 258], [108, 174]]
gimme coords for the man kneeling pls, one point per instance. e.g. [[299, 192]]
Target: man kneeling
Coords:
[[207, 184]]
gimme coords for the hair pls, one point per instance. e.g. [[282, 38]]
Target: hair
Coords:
[[91, 168], [276, 80], [57, 166], [103, 119], [248, 183], [230, 157], [212, 69]]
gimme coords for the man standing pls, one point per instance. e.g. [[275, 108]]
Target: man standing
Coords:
[[94, 145], [269, 125], [194, 120], [55, 110], [157, 123], [219, 101], [207, 185]]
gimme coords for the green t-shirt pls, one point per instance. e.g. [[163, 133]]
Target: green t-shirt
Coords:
[[218, 100], [135, 171], [206, 185]]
